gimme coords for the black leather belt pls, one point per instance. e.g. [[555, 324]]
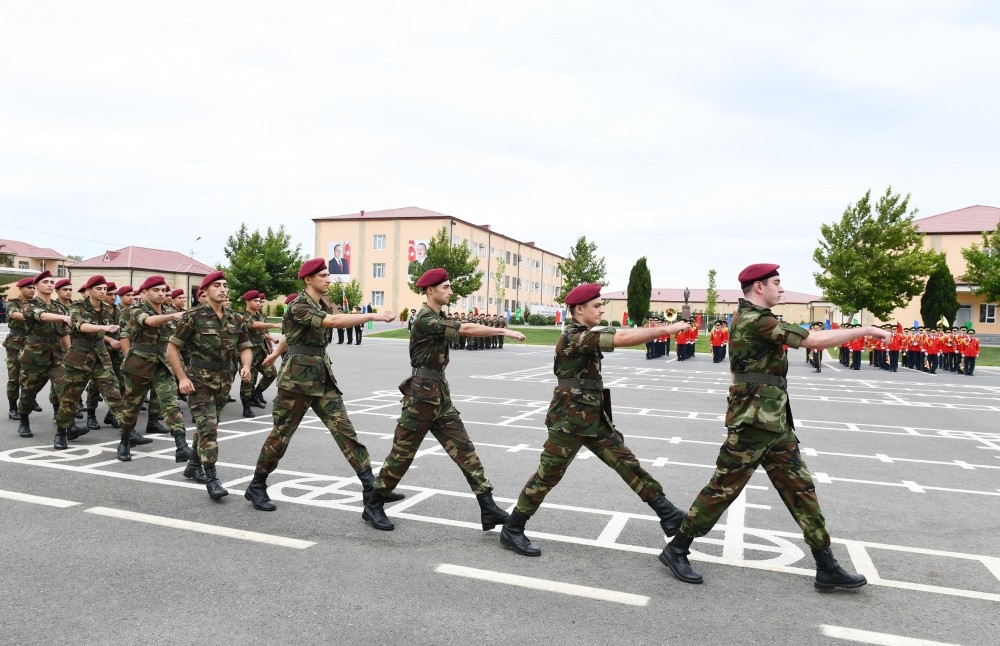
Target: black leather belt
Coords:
[[310, 350], [154, 349], [428, 373], [17, 333], [205, 365], [760, 378], [585, 384], [83, 343]]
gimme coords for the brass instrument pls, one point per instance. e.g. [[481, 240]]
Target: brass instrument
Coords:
[[670, 315]]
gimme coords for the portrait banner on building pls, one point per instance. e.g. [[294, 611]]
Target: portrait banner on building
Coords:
[[416, 256], [340, 260]]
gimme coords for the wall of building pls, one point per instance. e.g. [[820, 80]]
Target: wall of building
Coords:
[[379, 259], [136, 277]]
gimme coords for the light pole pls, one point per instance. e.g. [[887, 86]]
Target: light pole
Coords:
[[191, 300]]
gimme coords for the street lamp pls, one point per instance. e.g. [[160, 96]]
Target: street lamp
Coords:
[[192, 246], [191, 299]]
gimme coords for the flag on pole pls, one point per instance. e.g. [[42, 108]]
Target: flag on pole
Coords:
[[826, 325]]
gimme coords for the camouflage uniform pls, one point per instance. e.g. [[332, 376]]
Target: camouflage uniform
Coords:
[[761, 428], [267, 373], [212, 341], [14, 343], [306, 381], [427, 407], [502, 323], [88, 359], [145, 370], [576, 418], [116, 362], [42, 354]]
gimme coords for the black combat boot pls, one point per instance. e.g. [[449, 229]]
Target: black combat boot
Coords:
[[215, 488], [13, 414], [193, 470], [256, 493], [829, 574], [73, 431], [675, 557], [135, 438], [368, 486], [59, 443], [23, 427], [124, 449], [374, 512], [110, 420], [36, 408], [490, 514], [156, 425], [92, 420], [258, 394], [184, 453], [246, 408], [512, 535], [670, 517]]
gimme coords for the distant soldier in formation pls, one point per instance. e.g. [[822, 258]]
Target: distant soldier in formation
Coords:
[[970, 351], [719, 339], [15, 342], [252, 392]]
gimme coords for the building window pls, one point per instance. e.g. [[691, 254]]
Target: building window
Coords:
[[378, 299], [378, 270], [506, 281], [22, 264], [61, 271], [378, 241], [987, 313], [508, 258]]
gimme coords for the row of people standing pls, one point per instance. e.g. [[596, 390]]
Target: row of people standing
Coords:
[[925, 349], [466, 342]]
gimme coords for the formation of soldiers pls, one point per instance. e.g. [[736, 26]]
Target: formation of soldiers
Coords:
[[465, 342], [685, 339], [928, 350]]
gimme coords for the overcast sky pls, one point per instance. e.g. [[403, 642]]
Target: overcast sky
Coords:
[[700, 134]]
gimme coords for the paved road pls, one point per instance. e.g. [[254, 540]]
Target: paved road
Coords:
[[98, 551]]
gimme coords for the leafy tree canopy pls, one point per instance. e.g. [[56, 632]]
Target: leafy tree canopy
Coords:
[[458, 261], [264, 262], [640, 289], [983, 266], [582, 265]]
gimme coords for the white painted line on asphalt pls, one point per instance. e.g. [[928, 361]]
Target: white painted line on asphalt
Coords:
[[868, 637], [732, 545], [37, 500], [543, 584], [214, 530]]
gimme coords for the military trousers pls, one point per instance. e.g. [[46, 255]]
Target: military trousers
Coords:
[[445, 424], [739, 457], [161, 388], [93, 389], [32, 380], [13, 374], [75, 380], [288, 410], [560, 450], [206, 406], [267, 375]]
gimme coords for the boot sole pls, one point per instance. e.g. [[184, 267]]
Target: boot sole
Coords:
[[219, 496], [831, 587], [365, 517], [259, 507], [677, 574], [512, 548]]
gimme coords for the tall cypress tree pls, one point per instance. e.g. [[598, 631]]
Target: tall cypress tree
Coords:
[[640, 289], [940, 298]]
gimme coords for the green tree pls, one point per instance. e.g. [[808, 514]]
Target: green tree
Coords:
[[983, 266], [640, 289], [711, 296], [462, 267], [940, 297], [873, 261], [581, 266], [74, 257], [501, 291], [351, 291], [6, 256], [265, 262]]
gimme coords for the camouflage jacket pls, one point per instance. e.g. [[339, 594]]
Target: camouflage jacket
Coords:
[[213, 343], [86, 347], [302, 325], [15, 338], [757, 341], [256, 336], [429, 341], [577, 410], [148, 343], [43, 343]]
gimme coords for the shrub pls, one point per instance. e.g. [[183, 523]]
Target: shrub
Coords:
[[616, 324], [279, 309], [604, 322]]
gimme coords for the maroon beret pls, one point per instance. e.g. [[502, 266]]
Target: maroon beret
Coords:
[[432, 278], [42, 276], [26, 282], [62, 282], [290, 298], [311, 267], [151, 282], [125, 290], [583, 294], [211, 278], [261, 295], [112, 287], [93, 281], [760, 271], [250, 295], [176, 293]]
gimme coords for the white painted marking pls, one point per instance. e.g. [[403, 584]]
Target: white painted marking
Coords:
[[614, 528], [214, 530], [869, 637], [37, 500], [732, 545], [862, 561], [546, 585]]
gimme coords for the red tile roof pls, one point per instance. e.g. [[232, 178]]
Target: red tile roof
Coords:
[[19, 248], [971, 219], [672, 295], [145, 258], [407, 212]]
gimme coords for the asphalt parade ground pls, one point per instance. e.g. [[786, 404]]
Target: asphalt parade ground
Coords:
[[907, 467]]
